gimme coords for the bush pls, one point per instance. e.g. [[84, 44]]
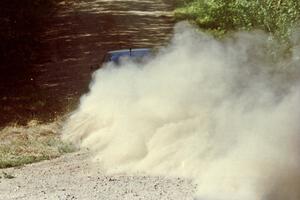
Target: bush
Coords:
[[222, 16]]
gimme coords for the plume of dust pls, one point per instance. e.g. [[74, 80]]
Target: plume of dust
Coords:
[[218, 112]]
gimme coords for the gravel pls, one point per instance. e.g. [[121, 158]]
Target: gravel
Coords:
[[74, 176]]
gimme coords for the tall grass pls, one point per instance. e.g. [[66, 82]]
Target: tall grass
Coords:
[[20, 145], [278, 17]]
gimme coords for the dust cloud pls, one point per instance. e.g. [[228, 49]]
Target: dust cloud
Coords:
[[222, 113]]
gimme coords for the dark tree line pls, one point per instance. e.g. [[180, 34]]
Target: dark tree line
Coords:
[[21, 22]]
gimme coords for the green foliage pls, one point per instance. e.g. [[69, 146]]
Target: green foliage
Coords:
[[221, 16]]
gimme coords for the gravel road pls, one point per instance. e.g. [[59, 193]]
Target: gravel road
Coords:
[[73, 176]]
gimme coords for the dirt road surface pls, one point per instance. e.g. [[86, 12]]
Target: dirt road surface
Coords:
[[75, 177]]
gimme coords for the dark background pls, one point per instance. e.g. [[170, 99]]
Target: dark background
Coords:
[[48, 46]]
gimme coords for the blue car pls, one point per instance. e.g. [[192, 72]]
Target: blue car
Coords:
[[139, 55]]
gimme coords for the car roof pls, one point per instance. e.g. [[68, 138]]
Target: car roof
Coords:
[[128, 50], [136, 53]]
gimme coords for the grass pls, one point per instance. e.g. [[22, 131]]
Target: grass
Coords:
[[20, 145]]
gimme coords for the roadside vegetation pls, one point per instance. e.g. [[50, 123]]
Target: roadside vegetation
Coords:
[[21, 145], [219, 17]]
